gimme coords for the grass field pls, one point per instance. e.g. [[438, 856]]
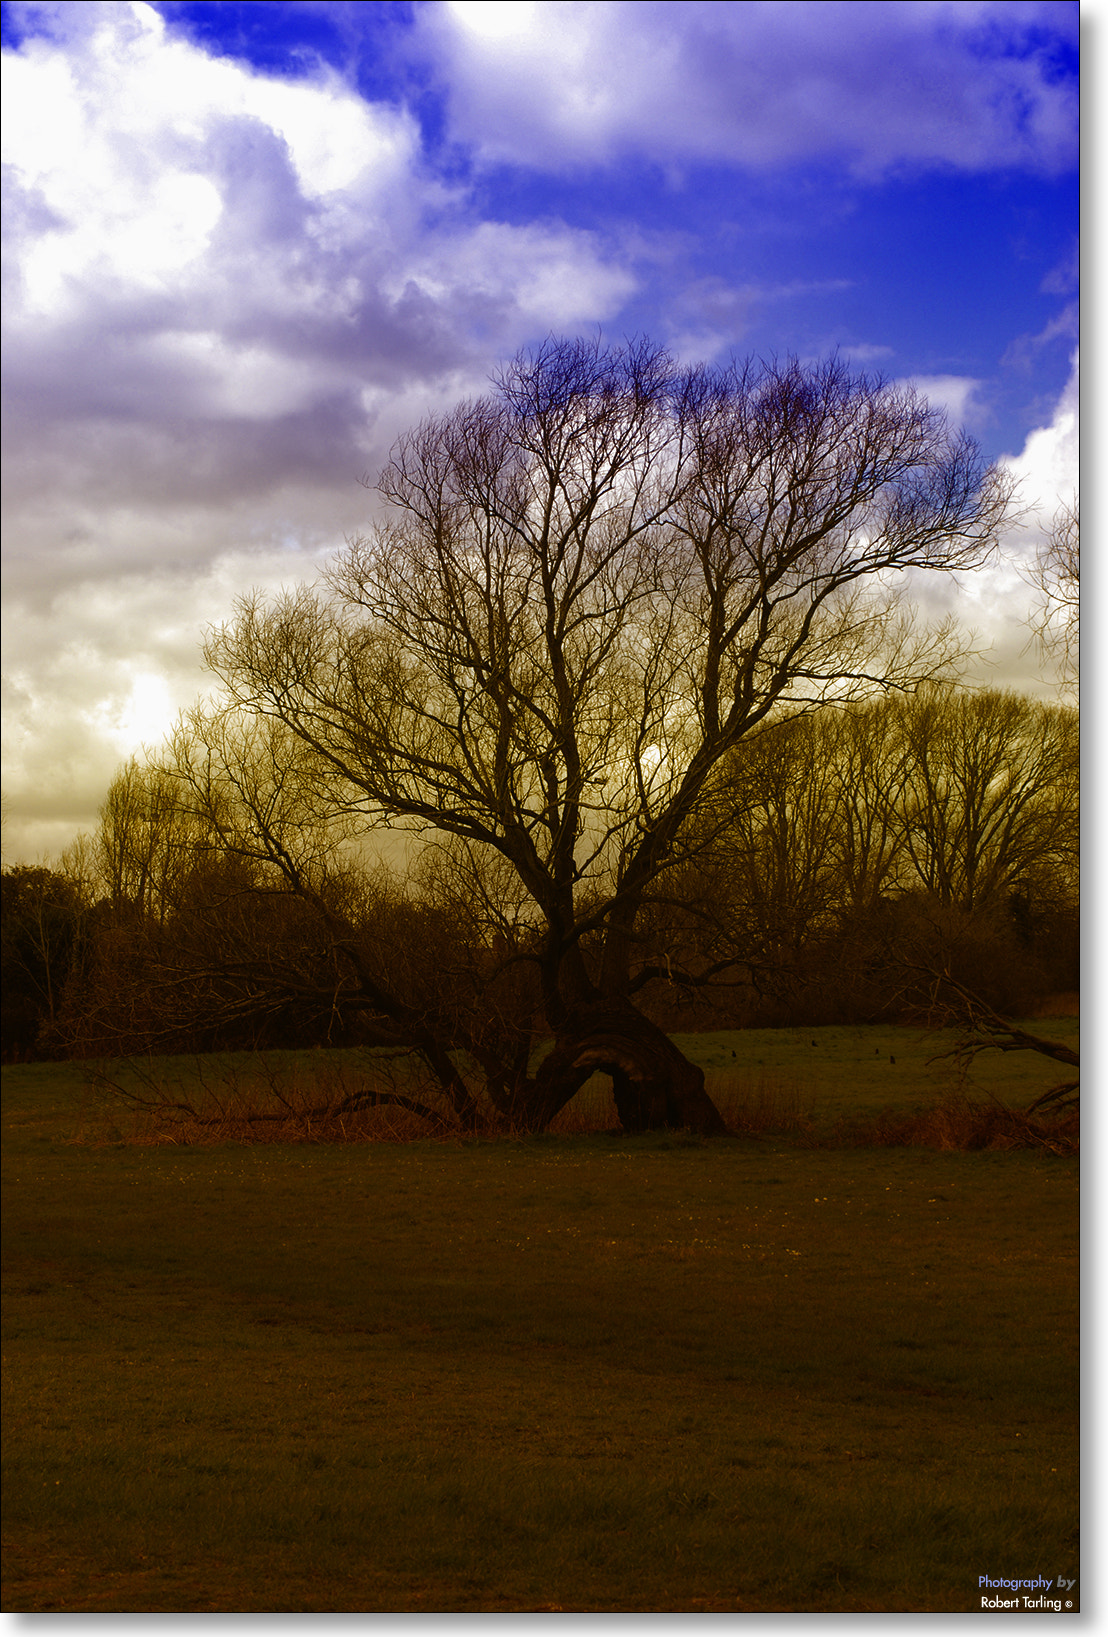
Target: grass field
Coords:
[[576, 1372]]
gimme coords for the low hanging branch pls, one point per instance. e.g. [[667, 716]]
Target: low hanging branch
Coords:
[[228, 1100], [991, 1032]]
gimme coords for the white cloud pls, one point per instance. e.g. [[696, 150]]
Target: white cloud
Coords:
[[1047, 466], [225, 296], [581, 82], [554, 281], [956, 394], [997, 604], [178, 201]]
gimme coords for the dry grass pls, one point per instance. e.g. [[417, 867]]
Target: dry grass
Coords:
[[751, 1105], [1066, 1003], [758, 1106], [593, 1109], [658, 1376], [764, 1106], [323, 1099], [208, 1101], [964, 1124]]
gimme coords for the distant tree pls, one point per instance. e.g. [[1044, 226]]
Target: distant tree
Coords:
[[1056, 578], [43, 924], [989, 799], [596, 584], [764, 878], [146, 843], [842, 839]]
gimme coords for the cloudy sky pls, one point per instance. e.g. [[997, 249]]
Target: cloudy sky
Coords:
[[247, 244]]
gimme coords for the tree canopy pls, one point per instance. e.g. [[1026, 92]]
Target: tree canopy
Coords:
[[623, 656], [591, 587]]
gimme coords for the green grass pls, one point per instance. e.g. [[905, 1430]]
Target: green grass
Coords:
[[584, 1372], [847, 1075], [820, 1079], [852, 1072]]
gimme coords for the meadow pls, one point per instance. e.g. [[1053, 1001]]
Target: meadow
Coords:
[[579, 1372]]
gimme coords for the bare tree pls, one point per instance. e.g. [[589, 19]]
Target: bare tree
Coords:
[[1056, 578], [43, 915], [989, 798], [595, 584], [417, 969], [869, 768], [838, 834], [775, 863]]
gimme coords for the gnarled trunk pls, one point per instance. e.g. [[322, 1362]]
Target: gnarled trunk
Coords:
[[655, 1086]]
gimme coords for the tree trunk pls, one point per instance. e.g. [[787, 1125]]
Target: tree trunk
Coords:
[[655, 1086]]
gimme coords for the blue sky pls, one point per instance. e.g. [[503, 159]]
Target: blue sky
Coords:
[[246, 245]]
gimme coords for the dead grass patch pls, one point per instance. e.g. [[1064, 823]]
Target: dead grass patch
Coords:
[[327, 1100], [208, 1101], [756, 1106], [1065, 1003], [751, 1106], [966, 1124]]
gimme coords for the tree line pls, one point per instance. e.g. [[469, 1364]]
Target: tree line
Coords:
[[845, 858], [628, 672]]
